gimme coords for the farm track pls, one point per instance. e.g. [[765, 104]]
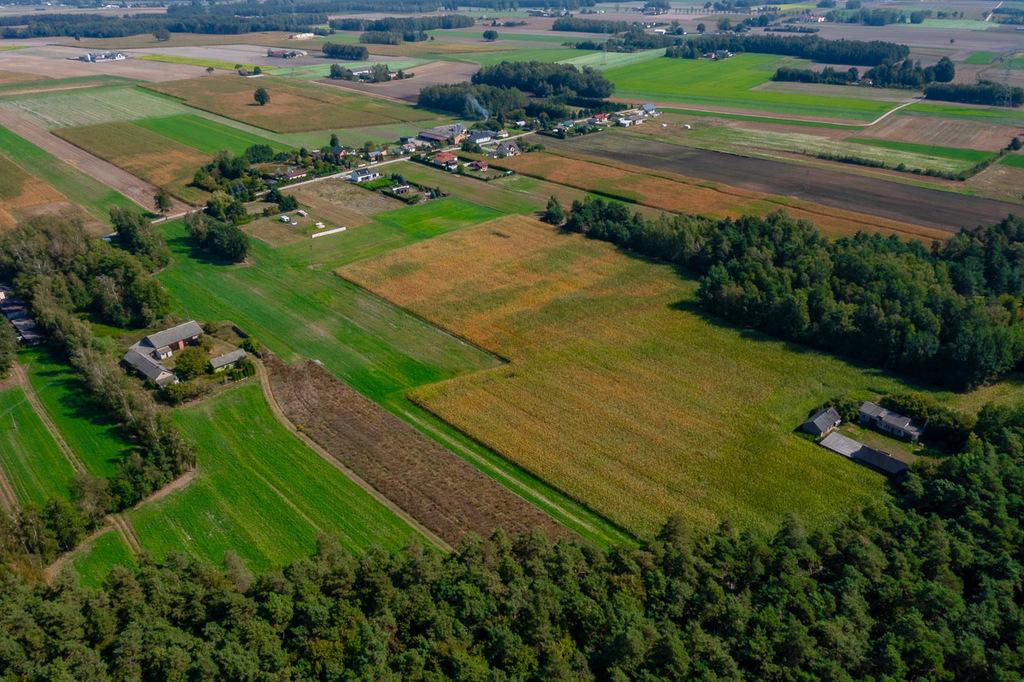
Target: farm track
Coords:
[[136, 189], [44, 417], [275, 408], [947, 211], [127, 533], [8, 499]]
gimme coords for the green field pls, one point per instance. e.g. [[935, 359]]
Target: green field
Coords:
[[93, 436], [967, 156], [206, 135], [606, 60], [539, 54], [981, 57], [61, 109], [761, 119], [33, 464], [259, 491], [730, 84], [1014, 160], [92, 564], [996, 115], [290, 300], [968, 24], [56, 83], [78, 187]]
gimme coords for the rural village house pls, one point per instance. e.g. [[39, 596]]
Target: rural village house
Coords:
[[226, 361], [892, 423], [145, 356], [821, 422]]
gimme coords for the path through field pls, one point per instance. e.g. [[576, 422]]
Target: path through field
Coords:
[[44, 417], [136, 189]]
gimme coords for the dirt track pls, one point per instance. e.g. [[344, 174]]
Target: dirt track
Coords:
[[136, 189], [848, 191]]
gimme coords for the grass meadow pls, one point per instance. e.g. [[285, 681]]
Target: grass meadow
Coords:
[[618, 391], [730, 84], [1014, 160], [259, 491], [89, 106], [205, 135], [93, 563], [31, 460]]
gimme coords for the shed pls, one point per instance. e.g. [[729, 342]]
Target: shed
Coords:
[[821, 422], [222, 362]]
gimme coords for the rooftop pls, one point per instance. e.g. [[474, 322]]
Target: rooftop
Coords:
[[185, 330], [227, 358]]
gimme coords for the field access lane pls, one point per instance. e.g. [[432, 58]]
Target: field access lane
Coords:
[[830, 187]]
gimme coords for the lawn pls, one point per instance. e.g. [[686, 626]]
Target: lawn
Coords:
[[1014, 160], [294, 106], [289, 299], [33, 464], [619, 392], [94, 562], [259, 491], [730, 84], [143, 153], [205, 135], [90, 432], [88, 106], [78, 187]]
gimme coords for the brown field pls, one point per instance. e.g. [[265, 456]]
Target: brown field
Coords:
[[616, 391], [8, 77], [943, 132], [409, 89], [678, 194], [56, 66], [999, 181], [428, 482], [143, 153], [177, 40], [341, 202], [294, 106], [23, 195]]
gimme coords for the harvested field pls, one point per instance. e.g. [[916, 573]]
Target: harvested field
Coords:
[[943, 132], [428, 482], [145, 40], [679, 194], [9, 77], [294, 106], [23, 195], [892, 205], [617, 392], [1002, 181], [143, 153], [58, 66], [409, 89]]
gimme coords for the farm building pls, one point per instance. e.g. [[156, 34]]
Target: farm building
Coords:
[[164, 344], [226, 361], [507, 149], [445, 160], [821, 422], [862, 454], [292, 174], [649, 110], [286, 54], [149, 368], [93, 57], [893, 423], [454, 134], [17, 313], [363, 175], [482, 136]]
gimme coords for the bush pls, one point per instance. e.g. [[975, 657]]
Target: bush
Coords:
[[176, 394], [251, 345], [192, 362]]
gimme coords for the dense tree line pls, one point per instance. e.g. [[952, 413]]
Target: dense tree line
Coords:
[[391, 38], [8, 347], [983, 92], [545, 79], [342, 51], [64, 274], [879, 17], [101, 26], [827, 75], [904, 74], [579, 25], [950, 315], [472, 101], [403, 24], [925, 585], [857, 52]]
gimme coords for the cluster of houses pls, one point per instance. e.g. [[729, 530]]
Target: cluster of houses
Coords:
[[626, 118], [147, 355], [94, 57], [17, 313], [824, 423]]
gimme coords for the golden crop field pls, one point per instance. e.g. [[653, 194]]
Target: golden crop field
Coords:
[[618, 391]]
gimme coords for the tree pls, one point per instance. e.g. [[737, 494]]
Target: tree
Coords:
[[261, 96], [8, 347], [209, 70], [192, 362], [136, 235], [162, 34], [701, 28], [335, 142], [162, 200], [553, 214], [944, 70], [490, 35], [257, 70], [1016, 144]]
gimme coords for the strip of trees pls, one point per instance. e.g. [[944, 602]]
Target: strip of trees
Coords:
[[904, 74], [983, 92], [878, 17], [579, 25], [342, 51], [856, 52], [403, 24], [949, 315]]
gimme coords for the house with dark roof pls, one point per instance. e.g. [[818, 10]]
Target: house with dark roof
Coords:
[[149, 368], [821, 422], [223, 362], [454, 134], [507, 149], [862, 454], [164, 344], [886, 421]]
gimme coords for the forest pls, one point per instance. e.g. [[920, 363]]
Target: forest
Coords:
[[905, 74], [950, 315], [855, 52], [545, 79], [925, 584], [983, 92], [343, 51]]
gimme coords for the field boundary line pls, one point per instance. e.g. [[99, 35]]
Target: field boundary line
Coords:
[[127, 532], [44, 416], [279, 414]]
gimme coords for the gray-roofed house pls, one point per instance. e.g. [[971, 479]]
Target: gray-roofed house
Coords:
[[164, 344], [876, 416], [149, 368], [223, 362], [821, 422], [862, 454]]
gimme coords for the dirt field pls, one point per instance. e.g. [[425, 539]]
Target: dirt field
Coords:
[[143, 153], [110, 175], [9, 77], [850, 193], [943, 132], [342, 202], [432, 485], [1000, 181], [53, 62], [23, 195], [294, 106], [409, 89], [679, 194]]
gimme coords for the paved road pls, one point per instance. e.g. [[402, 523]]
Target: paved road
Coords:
[[830, 187]]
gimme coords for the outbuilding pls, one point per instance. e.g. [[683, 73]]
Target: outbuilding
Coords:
[[821, 422]]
